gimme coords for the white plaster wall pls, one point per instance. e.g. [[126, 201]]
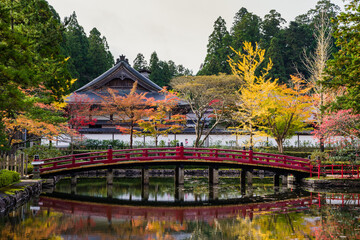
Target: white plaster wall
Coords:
[[188, 140]]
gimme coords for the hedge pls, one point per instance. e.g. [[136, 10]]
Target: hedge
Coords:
[[8, 177]]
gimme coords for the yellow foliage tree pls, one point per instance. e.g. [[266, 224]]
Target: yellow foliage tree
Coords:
[[253, 95], [288, 110]]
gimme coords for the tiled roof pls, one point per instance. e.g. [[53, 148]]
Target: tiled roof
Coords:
[[121, 64]]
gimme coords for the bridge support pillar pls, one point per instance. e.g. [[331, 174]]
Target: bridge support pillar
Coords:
[[179, 175], [249, 178], [109, 189], [145, 176], [284, 181], [213, 192], [110, 177], [73, 183], [179, 193], [245, 179], [145, 192], [213, 175], [276, 180]]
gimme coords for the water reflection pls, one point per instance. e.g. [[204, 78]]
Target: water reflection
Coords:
[[163, 189], [264, 215]]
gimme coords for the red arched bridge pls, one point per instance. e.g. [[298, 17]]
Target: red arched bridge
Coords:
[[178, 156]]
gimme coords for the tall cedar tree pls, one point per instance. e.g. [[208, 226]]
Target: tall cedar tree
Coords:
[[140, 62], [344, 69], [217, 50], [77, 48], [99, 57]]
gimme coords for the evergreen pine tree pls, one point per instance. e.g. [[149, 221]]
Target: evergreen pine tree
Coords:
[[99, 56], [140, 62], [217, 50]]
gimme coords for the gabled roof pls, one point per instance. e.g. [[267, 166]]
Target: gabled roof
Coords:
[[122, 70]]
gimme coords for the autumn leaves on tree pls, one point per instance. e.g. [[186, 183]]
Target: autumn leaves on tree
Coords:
[[134, 109], [263, 107]]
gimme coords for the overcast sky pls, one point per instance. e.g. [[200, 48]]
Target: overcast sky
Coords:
[[176, 30]]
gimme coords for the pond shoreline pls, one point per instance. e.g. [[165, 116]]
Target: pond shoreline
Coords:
[[331, 184], [17, 194]]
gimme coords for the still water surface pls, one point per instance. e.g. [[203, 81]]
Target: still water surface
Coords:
[[93, 211]]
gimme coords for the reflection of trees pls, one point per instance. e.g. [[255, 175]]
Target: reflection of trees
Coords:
[[338, 223], [45, 225]]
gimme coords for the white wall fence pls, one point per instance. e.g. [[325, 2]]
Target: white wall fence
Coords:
[[189, 139]]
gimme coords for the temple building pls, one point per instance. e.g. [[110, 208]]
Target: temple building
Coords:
[[121, 78]]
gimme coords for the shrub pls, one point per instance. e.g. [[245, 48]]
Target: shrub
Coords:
[[44, 151], [8, 177]]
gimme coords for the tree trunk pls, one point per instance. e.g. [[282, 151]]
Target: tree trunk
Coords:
[[280, 145], [131, 134], [251, 136]]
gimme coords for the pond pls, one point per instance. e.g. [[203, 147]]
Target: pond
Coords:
[[258, 213]]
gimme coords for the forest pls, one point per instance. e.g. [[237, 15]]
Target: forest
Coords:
[[315, 57]]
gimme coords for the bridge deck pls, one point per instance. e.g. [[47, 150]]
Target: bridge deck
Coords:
[[173, 156]]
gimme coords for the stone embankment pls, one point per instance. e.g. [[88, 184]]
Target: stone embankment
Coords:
[[17, 194], [332, 184]]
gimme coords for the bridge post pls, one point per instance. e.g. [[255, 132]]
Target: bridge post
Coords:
[[73, 183], [179, 193], [109, 190], [249, 178], [276, 180], [145, 192], [110, 153], [213, 175], [179, 175], [284, 181], [213, 192], [145, 175], [109, 176]]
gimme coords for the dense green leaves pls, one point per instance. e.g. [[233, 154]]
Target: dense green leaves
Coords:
[[345, 67], [217, 50], [284, 45]]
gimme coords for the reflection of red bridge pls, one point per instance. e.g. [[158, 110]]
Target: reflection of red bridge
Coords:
[[174, 156], [205, 213]]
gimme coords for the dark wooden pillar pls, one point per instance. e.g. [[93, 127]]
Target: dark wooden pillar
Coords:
[[145, 176], [109, 176], [213, 175], [179, 175]]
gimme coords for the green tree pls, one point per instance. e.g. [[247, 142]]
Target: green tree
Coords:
[[77, 47], [33, 73], [100, 58], [270, 27], [217, 50], [140, 62], [297, 38], [207, 97], [246, 27], [344, 69]]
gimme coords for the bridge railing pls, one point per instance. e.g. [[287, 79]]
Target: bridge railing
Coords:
[[173, 154], [339, 170]]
